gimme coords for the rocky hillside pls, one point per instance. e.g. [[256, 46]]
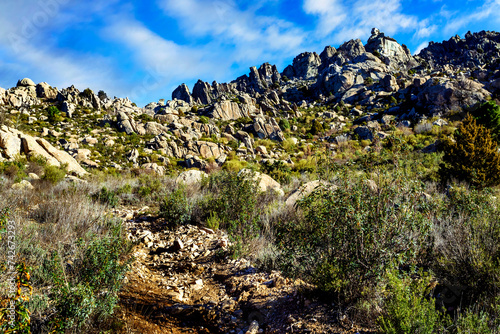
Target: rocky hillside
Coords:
[[371, 86]]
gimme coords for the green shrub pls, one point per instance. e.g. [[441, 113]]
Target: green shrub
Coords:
[[204, 119], [54, 174], [474, 322], [53, 114], [106, 197], [88, 291], [284, 124], [176, 208], [407, 308], [242, 121], [350, 233], [473, 157], [234, 201], [278, 170], [88, 93], [467, 251], [316, 128], [488, 115], [213, 221]]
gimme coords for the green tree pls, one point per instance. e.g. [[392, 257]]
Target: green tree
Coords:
[[473, 157], [488, 114], [54, 114]]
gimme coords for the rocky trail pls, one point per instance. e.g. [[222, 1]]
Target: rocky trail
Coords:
[[182, 281]]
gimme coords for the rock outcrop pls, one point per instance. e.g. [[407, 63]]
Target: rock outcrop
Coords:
[[182, 93], [14, 143]]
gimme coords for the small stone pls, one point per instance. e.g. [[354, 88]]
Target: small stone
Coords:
[[254, 328]]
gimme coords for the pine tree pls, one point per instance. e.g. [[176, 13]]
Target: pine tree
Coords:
[[473, 157]]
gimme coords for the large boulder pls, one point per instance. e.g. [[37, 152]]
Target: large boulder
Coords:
[[352, 49], [304, 66], [14, 142], [265, 182], [182, 93], [229, 110], [202, 92], [3, 93], [268, 129], [30, 147], [190, 177], [388, 48], [208, 149], [10, 143], [44, 90], [303, 191], [25, 83], [62, 157]]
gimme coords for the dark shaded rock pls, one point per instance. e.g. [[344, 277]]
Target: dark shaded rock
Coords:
[[182, 93]]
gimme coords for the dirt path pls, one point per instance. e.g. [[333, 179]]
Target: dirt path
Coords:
[[183, 282]]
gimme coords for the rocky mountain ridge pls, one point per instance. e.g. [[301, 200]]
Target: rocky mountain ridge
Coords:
[[380, 83]]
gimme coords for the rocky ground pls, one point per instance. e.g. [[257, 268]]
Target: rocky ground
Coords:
[[183, 281]]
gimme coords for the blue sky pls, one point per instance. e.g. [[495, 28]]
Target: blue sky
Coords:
[[144, 49]]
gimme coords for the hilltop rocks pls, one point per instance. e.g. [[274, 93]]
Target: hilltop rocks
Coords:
[[2, 95], [202, 92], [26, 82], [394, 54], [304, 66], [474, 50], [44, 90], [352, 49], [182, 93], [229, 110], [445, 94]]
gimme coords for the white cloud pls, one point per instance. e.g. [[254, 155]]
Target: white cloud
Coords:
[[425, 30], [253, 37], [331, 14], [355, 19], [28, 50], [489, 11], [421, 47]]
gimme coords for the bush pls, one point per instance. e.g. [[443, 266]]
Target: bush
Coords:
[[467, 251], [407, 307], [53, 114], [350, 233], [316, 128], [87, 93], [106, 197], [213, 221], [88, 291], [473, 157], [204, 119], [54, 174], [234, 201], [488, 115], [284, 124], [176, 208], [278, 170]]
